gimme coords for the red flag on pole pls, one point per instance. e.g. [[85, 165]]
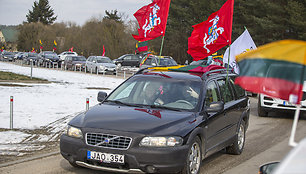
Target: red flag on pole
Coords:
[[212, 34], [71, 49], [152, 20], [103, 54]]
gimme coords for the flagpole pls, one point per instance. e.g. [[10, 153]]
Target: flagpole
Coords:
[[227, 69], [161, 47]]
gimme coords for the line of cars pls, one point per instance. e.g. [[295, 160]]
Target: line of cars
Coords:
[[96, 64]]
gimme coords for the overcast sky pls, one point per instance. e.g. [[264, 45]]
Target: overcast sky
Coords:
[[13, 12]]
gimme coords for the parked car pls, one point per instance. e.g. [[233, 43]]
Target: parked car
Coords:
[[128, 60], [152, 60], [47, 58], [19, 56], [99, 64], [28, 57], [63, 55], [75, 62], [268, 104], [7, 56], [160, 121]]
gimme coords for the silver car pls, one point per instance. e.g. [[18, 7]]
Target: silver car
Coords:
[[100, 64]]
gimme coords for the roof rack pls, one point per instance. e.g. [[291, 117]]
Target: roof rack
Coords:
[[217, 70]]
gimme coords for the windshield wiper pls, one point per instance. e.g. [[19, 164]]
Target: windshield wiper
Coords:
[[165, 107], [122, 103]]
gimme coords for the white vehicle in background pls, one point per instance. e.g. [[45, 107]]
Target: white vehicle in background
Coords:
[[100, 64], [268, 104], [63, 55]]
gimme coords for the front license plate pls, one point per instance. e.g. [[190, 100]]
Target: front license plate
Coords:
[[105, 157]]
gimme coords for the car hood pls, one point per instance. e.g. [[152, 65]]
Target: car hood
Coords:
[[137, 120], [110, 65]]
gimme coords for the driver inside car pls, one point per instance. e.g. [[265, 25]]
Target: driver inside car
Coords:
[[152, 94]]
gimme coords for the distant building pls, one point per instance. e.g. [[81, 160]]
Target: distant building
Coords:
[[9, 37], [2, 39]]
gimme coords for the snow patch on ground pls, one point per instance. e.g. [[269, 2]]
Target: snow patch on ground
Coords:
[[47, 107]]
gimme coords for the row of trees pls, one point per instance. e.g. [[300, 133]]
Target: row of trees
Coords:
[[266, 20]]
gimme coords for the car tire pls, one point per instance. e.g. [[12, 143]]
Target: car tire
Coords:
[[237, 147], [194, 158], [260, 110]]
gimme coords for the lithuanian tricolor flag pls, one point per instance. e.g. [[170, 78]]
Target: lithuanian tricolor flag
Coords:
[[276, 69]]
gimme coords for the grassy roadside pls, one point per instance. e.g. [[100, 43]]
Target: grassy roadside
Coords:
[[12, 77]]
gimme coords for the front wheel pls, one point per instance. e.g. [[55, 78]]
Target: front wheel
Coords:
[[237, 147], [194, 158]]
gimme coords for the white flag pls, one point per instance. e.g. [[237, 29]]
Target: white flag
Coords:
[[242, 44]]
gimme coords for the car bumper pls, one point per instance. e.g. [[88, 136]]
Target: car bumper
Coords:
[[107, 70], [137, 159], [274, 104]]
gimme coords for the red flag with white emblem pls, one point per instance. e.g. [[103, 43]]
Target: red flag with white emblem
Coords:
[[152, 20], [212, 34]]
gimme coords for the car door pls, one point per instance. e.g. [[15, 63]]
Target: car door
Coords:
[[89, 64], [215, 124], [232, 111], [127, 61], [134, 60]]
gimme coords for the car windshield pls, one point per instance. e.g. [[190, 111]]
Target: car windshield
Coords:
[[78, 58], [50, 55], [166, 62], [32, 54], [158, 93], [103, 60]]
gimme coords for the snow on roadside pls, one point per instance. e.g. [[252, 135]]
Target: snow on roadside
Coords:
[[38, 105]]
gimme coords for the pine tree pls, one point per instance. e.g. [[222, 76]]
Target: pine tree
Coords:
[[112, 15], [42, 12]]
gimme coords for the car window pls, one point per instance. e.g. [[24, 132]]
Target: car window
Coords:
[[128, 57], [134, 57], [225, 90], [240, 92], [212, 94], [125, 92]]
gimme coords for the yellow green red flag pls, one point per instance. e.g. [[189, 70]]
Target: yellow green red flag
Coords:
[[276, 69]]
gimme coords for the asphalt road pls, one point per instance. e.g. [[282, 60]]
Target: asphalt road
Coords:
[[266, 141]]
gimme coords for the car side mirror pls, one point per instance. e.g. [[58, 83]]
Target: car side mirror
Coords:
[[94, 61], [268, 168], [101, 96], [215, 107]]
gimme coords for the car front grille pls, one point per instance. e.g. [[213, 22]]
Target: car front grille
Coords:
[[108, 141]]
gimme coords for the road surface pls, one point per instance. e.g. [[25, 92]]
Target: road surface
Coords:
[[267, 140]]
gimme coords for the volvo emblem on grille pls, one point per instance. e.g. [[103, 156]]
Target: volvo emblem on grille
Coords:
[[107, 140]]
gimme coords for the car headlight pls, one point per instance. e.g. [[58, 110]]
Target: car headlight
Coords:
[[102, 67], [74, 132], [161, 141]]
